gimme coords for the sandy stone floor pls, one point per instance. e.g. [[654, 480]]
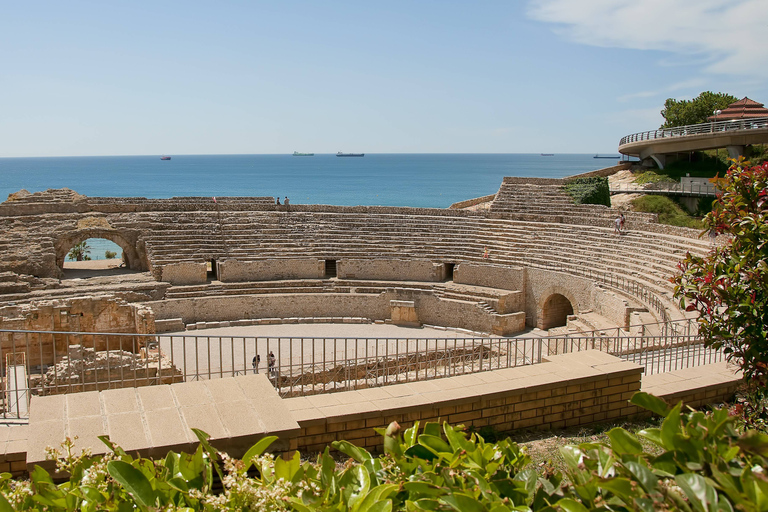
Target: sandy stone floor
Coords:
[[92, 264]]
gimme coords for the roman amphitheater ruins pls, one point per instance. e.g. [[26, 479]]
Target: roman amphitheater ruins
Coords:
[[549, 319]]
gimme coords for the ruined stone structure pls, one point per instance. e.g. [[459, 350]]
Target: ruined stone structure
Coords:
[[245, 258], [96, 314], [528, 257]]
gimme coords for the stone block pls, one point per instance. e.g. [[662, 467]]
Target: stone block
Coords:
[[184, 273], [126, 430]]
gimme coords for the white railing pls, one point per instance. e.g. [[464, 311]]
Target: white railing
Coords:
[[68, 362], [697, 129], [685, 189]]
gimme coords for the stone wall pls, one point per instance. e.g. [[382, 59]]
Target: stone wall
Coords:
[[80, 314], [389, 270], [491, 276], [472, 202], [184, 273], [570, 390], [428, 308], [605, 172], [541, 284], [613, 306], [270, 270], [289, 305]]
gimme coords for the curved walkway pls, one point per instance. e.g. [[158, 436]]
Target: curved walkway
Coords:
[[734, 135]]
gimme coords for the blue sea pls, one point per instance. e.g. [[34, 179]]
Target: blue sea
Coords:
[[420, 180]]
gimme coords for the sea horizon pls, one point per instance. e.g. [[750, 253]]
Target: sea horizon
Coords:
[[434, 180], [428, 180]]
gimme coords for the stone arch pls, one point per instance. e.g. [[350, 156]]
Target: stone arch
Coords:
[[133, 253], [554, 310]]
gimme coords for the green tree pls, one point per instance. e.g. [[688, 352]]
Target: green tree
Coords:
[[695, 111], [729, 286], [79, 252]]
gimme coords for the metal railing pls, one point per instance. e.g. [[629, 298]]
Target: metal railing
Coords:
[[54, 362], [697, 129], [656, 354], [684, 189], [48, 362], [306, 365]]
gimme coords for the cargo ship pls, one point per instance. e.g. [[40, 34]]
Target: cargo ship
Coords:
[[349, 154], [165, 157], [547, 154], [614, 157], [296, 153]]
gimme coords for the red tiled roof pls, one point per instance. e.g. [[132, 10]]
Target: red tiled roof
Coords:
[[742, 109]]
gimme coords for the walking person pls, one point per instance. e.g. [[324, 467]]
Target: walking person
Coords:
[[617, 225], [255, 363]]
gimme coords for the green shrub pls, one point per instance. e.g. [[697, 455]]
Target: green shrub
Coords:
[[652, 177], [669, 212], [592, 190], [110, 255], [703, 465]]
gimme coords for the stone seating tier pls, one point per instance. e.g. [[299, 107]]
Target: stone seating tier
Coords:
[[577, 237], [273, 247]]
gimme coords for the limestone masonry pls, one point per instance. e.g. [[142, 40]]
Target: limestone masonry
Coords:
[[524, 257]]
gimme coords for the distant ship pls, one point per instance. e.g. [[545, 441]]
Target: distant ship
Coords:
[[296, 153], [349, 154], [598, 156], [165, 157], [547, 154]]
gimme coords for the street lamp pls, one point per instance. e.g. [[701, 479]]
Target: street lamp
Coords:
[[717, 113]]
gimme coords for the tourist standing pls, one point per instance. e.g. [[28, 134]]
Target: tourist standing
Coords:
[[255, 363], [271, 362], [617, 225]]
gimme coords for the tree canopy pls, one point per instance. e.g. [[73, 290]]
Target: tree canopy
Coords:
[[695, 111], [80, 252]]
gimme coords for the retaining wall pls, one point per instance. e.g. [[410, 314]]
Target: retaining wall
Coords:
[[270, 270], [390, 270], [568, 390]]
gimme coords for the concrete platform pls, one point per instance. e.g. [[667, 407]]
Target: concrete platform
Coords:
[[236, 412]]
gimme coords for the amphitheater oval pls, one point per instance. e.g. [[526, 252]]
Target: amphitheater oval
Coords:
[[134, 257]]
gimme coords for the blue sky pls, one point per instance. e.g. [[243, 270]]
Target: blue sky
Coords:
[[565, 76]]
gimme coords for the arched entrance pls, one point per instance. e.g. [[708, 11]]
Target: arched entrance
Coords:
[[134, 258], [555, 311]]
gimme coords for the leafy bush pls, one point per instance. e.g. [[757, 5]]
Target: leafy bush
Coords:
[[110, 255], [669, 212], [729, 286], [652, 177], [593, 190], [704, 465]]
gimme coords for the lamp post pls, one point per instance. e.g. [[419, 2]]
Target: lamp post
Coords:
[[717, 113]]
